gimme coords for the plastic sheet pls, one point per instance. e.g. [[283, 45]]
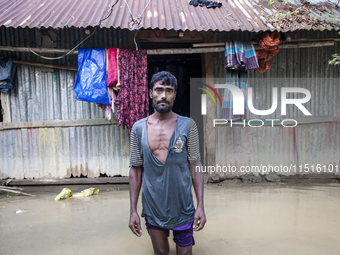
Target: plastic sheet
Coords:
[[91, 80], [87, 192], [65, 193]]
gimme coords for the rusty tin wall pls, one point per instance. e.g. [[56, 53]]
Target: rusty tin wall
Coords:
[[60, 152], [40, 95]]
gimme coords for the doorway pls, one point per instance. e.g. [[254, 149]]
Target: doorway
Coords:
[[183, 67]]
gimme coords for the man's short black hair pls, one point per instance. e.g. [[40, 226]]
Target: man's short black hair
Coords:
[[166, 78]]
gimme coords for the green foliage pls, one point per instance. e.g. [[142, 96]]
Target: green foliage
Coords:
[[8, 196], [282, 15], [272, 2], [336, 60], [281, 2], [336, 57]]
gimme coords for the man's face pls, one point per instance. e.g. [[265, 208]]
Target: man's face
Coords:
[[163, 97]]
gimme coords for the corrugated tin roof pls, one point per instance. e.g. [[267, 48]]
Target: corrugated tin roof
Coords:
[[244, 15]]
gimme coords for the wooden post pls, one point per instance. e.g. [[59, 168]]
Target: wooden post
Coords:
[[6, 106], [209, 132], [72, 68]]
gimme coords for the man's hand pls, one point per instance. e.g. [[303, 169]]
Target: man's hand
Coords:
[[134, 224], [200, 219]]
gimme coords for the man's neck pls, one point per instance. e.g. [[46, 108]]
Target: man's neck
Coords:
[[163, 116]]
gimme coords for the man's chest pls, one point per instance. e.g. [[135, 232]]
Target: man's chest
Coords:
[[159, 137]]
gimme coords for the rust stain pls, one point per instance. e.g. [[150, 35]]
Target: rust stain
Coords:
[[77, 171]]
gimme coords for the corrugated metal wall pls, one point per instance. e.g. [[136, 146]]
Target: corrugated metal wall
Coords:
[[48, 96], [39, 95], [60, 152], [305, 144]]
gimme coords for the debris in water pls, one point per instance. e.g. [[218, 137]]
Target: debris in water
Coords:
[[20, 211]]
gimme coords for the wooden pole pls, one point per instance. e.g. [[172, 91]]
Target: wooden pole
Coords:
[[16, 192], [45, 65], [39, 50], [57, 123], [184, 51], [305, 45], [292, 42], [310, 43]]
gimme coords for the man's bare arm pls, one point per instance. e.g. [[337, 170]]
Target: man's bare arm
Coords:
[[135, 186], [198, 182]]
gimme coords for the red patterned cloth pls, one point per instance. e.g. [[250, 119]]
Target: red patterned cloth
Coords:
[[133, 99], [112, 75]]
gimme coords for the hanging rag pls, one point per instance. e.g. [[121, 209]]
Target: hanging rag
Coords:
[[240, 55], [109, 109], [7, 72], [269, 42], [208, 4], [118, 77], [112, 74], [133, 99], [91, 80], [237, 78]]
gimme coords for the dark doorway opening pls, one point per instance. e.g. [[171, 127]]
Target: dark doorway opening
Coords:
[[183, 67]]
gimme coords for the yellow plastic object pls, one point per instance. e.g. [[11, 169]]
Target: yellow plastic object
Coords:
[[87, 192], [65, 193]]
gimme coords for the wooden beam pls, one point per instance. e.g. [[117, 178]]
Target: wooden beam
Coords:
[[312, 40], [45, 65], [217, 44], [38, 50], [222, 49], [6, 106], [58, 123], [171, 40], [306, 45], [71, 181], [149, 52], [16, 192], [182, 50], [298, 43]]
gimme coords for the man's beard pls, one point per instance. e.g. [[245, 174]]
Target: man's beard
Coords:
[[162, 109]]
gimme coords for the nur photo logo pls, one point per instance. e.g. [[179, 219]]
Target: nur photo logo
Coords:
[[239, 103]]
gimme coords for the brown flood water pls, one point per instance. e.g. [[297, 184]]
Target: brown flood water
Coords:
[[241, 220]]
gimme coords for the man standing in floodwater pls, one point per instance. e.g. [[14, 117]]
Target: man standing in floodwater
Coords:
[[161, 147]]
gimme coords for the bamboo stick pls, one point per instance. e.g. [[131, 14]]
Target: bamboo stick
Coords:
[[57, 123], [291, 44], [184, 51], [39, 50], [218, 44], [12, 188], [45, 65], [17, 192]]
